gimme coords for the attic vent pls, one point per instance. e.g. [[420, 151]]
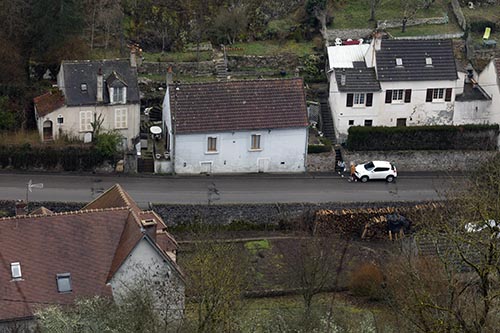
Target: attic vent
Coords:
[[148, 222], [428, 61], [399, 62], [83, 87]]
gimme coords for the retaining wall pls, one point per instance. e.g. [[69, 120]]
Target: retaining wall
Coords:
[[386, 24]]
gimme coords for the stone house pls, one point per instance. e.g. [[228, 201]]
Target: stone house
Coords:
[[392, 83], [103, 249], [89, 91], [236, 127]]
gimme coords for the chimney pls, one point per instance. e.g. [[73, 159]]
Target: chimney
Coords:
[[170, 79], [377, 40], [133, 57], [21, 207], [100, 86]]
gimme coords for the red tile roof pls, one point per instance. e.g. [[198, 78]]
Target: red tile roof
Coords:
[[239, 105], [49, 102], [90, 244]]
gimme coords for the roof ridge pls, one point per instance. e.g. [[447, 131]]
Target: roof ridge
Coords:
[[72, 212], [240, 80], [122, 194]]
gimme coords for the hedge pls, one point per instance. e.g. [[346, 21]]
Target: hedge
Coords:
[[70, 158], [466, 137]]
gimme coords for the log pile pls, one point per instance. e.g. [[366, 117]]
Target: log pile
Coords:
[[371, 223]]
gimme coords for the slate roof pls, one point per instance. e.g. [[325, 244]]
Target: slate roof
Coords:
[[472, 93], [497, 66], [413, 53], [48, 102], [239, 105], [85, 71], [357, 79], [90, 244]]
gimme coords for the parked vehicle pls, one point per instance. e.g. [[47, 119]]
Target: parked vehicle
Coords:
[[376, 170]]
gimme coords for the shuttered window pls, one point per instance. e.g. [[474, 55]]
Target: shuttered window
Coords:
[[350, 100], [388, 97], [121, 118], [428, 97], [255, 142], [447, 96], [407, 95], [212, 144], [369, 99], [85, 121]]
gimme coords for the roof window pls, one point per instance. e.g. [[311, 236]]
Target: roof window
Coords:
[[399, 62], [64, 283], [15, 269], [83, 87], [428, 61]]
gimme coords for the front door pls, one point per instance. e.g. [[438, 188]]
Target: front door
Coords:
[[206, 167], [263, 164], [47, 130]]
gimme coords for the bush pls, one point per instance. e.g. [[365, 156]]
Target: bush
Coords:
[[480, 26], [367, 281], [315, 149], [466, 137]]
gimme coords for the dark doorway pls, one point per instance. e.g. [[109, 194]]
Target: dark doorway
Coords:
[[47, 130], [401, 122]]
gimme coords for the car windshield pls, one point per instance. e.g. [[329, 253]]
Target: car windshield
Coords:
[[368, 166]]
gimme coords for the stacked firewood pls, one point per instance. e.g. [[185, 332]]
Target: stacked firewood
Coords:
[[371, 223]]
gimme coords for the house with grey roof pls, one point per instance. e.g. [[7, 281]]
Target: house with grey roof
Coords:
[[90, 90], [236, 127], [392, 83]]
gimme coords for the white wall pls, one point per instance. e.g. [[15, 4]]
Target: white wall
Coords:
[[489, 81], [417, 112], [472, 112], [283, 150], [71, 124], [144, 266]]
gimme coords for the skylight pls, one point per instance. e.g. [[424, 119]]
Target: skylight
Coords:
[[428, 61], [64, 283], [399, 62], [15, 269], [83, 87]]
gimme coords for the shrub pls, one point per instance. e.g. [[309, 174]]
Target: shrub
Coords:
[[315, 149], [367, 281], [481, 25]]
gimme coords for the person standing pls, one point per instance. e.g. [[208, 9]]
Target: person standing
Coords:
[[353, 172]]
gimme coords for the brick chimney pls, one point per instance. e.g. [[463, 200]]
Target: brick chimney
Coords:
[[170, 79], [21, 207], [133, 57], [100, 86]]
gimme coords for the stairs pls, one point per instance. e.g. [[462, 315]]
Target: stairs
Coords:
[[220, 69], [338, 157], [326, 117]]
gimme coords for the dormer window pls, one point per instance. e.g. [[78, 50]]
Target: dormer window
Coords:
[[118, 95], [64, 283], [428, 61], [399, 62], [15, 270], [83, 87]]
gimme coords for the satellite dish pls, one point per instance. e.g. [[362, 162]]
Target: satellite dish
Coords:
[[155, 130]]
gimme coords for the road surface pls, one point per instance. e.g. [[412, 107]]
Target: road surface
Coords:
[[231, 189]]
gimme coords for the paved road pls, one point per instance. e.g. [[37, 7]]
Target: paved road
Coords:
[[232, 189]]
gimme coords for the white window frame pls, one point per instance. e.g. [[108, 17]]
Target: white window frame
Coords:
[[257, 147], [121, 118], [62, 277], [118, 95], [398, 96], [207, 146], [86, 118], [358, 100], [438, 94], [15, 270]]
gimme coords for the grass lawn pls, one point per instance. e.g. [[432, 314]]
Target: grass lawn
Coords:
[[482, 13], [271, 48], [428, 29], [176, 56], [356, 13]]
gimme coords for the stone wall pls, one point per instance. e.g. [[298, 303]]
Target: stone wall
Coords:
[[238, 63], [332, 34], [457, 10], [405, 160], [193, 68], [386, 24], [441, 36]]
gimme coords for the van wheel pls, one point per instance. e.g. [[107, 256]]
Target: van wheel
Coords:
[[364, 179], [390, 179]]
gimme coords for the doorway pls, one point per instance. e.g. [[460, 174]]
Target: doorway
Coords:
[[47, 131]]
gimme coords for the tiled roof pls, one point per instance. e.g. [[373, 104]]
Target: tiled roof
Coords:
[[41, 211], [413, 54], [472, 93], [357, 79], [239, 105], [77, 73], [48, 102], [497, 67], [90, 244]]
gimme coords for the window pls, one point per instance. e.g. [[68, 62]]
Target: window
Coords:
[[60, 119], [255, 142], [401, 122], [118, 95], [438, 95], [428, 61], [398, 96], [368, 122], [15, 269], [359, 99], [83, 87], [399, 62], [212, 144], [351, 122], [380, 169], [120, 118], [64, 283], [85, 121]]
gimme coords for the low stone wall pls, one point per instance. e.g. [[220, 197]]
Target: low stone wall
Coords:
[[441, 36], [347, 33], [405, 160], [194, 68], [457, 10], [386, 24], [237, 63]]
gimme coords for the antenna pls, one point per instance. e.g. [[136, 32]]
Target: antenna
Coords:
[[29, 188]]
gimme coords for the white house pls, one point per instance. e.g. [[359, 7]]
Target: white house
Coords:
[[102, 90], [237, 126], [489, 80], [105, 249], [392, 83]]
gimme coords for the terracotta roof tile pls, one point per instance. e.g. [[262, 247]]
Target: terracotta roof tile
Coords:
[[41, 211], [239, 105], [48, 102], [113, 197]]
